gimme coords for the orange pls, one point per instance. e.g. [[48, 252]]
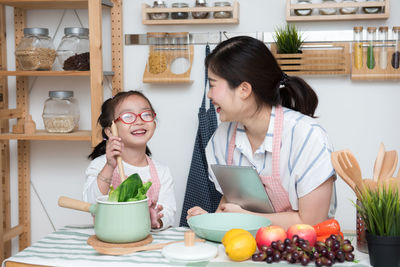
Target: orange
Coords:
[[241, 247], [232, 233]]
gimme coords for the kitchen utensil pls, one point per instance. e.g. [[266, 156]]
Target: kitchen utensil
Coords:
[[389, 164], [370, 184], [350, 166], [213, 226], [378, 161], [339, 170], [392, 182], [115, 222], [189, 251], [121, 171]]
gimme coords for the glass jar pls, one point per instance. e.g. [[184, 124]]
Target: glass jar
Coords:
[[158, 16], [328, 11], [303, 12], [222, 14], [371, 37], [357, 47], [200, 15], [348, 10], [73, 51], [180, 14], [179, 51], [383, 54], [396, 54], [157, 60], [35, 50], [61, 112], [372, 10]]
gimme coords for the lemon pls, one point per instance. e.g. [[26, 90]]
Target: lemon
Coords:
[[241, 247], [232, 233]]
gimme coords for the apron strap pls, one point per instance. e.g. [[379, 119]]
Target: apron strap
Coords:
[[276, 141]]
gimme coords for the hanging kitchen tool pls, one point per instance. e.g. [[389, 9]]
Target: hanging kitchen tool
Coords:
[[339, 170], [121, 171], [378, 161], [389, 165], [350, 166], [170, 58]]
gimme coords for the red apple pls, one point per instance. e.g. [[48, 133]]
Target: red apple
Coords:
[[305, 231], [268, 234]]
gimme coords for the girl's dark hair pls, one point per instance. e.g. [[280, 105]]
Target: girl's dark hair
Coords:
[[245, 59], [107, 116]]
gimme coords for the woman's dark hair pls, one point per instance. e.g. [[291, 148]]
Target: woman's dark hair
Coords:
[[107, 116], [245, 59]]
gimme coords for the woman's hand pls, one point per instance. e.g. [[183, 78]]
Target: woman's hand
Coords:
[[113, 150], [155, 215], [194, 212], [230, 207]]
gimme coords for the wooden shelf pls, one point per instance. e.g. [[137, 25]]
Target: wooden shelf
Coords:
[[146, 10], [43, 135], [315, 16], [49, 73], [50, 4]]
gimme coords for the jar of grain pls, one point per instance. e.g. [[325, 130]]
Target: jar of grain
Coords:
[[159, 16], [61, 112], [35, 50], [157, 60], [200, 15], [222, 14]]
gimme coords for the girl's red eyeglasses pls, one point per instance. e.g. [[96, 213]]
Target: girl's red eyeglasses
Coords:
[[130, 117]]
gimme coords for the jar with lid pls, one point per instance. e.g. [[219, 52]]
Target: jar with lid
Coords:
[[180, 14], [396, 54], [179, 51], [73, 51], [36, 50], [203, 14], [222, 14], [373, 9], [305, 11], [61, 112], [158, 16], [371, 37], [383, 54], [357, 47], [157, 60], [328, 11], [348, 10]]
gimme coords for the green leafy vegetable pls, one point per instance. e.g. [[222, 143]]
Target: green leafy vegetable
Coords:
[[132, 189]]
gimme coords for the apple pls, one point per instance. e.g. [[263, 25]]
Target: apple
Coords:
[[266, 235], [305, 231]]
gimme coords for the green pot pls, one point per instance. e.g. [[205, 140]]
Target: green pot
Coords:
[[115, 222]]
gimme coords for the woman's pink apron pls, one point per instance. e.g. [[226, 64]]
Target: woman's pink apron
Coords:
[[272, 184]]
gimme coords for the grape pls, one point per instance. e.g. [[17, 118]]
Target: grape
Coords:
[[340, 256], [289, 258], [269, 259], [318, 262], [264, 248], [295, 255], [346, 241], [295, 239], [284, 254], [300, 241], [276, 256], [269, 251], [324, 252], [287, 241], [304, 261], [329, 242], [289, 248], [306, 247], [349, 256], [347, 248], [256, 257], [320, 243], [316, 255], [281, 246], [334, 237], [330, 255], [336, 245], [274, 244]]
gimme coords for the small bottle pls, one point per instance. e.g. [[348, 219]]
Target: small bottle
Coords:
[[372, 10], [396, 54], [158, 16], [180, 14], [179, 52], [200, 15], [222, 14], [348, 10], [371, 35], [328, 11], [383, 55], [357, 47], [303, 12]]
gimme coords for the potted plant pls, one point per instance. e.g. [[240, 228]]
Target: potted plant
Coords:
[[288, 40], [380, 210]]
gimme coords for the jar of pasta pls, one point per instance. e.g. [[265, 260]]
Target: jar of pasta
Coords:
[[157, 60]]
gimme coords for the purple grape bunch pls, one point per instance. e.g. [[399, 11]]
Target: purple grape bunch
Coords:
[[297, 250]]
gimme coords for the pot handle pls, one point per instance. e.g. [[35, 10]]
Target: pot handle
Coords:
[[75, 204]]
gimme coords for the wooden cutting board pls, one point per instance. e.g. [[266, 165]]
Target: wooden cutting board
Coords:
[[112, 248]]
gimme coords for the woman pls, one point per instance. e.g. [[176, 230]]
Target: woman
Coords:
[[268, 122]]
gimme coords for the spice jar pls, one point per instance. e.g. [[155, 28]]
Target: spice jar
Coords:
[[396, 54], [36, 50], [180, 14], [73, 51], [222, 14], [328, 11], [372, 10], [61, 112], [357, 47], [348, 10], [179, 50], [371, 35], [303, 12], [383, 55], [158, 16], [157, 60], [200, 15]]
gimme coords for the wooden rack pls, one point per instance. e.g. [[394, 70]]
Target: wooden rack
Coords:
[[315, 16], [146, 10], [24, 130]]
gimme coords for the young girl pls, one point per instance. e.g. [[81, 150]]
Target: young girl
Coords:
[[134, 117], [268, 122]]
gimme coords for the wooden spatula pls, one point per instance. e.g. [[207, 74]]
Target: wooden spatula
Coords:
[[339, 170], [378, 162], [121, 171], [389, 165]]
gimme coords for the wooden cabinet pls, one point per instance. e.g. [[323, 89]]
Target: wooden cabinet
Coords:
[[20, 131]]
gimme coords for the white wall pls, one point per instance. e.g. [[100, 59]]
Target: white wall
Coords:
[[357, 115]]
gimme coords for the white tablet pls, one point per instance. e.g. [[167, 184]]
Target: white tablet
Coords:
[[242, 185]]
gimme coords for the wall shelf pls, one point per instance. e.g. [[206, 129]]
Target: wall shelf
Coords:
[[51, 4], [315, 16], [45, 136], [146, 10], [50, 73]]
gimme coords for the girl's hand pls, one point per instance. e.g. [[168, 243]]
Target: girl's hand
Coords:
[[230, 207], [155, 215], [113, 149], [194, 212]]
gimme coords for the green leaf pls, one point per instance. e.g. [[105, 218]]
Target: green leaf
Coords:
[[287, 39]]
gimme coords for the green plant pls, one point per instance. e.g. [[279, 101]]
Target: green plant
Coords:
[[380, 210], [288, 39]]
